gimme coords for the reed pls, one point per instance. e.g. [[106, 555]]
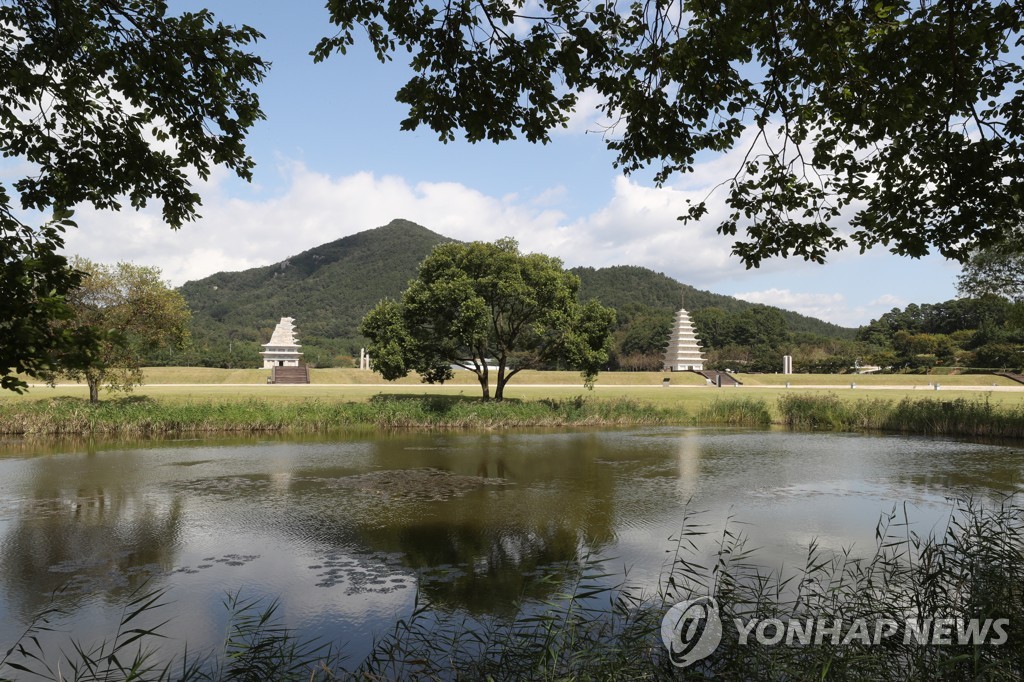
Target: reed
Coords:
[[928, 416], [735, 412], [976, 418], [142, 415]]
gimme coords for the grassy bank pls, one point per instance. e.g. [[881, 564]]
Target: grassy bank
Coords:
[[143, 415], [602, 628], [735, 411], [304, 413], [931, 416]]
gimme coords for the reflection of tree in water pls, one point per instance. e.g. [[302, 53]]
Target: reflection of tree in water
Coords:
[[485, 550], [85, 529], [484, 571]]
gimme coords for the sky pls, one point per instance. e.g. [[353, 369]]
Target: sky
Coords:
[[332, 161]]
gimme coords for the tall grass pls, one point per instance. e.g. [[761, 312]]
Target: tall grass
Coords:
[[735, 412], [831, 412], [601, 628], [257, 647], [960, 417], [143, 415]]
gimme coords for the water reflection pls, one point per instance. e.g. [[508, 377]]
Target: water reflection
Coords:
[[83, 526], [347, 528]]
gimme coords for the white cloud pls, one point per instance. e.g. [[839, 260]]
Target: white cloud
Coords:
[[826, 306], [890, 301], [637, 226], [832, 306], [246, 226]]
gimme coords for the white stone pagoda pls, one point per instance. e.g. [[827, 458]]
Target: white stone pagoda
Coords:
[[283, 348], [683, 352]]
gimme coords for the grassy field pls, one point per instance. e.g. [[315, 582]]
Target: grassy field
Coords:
[[181, 395], [686, 398], [923, 380], [209, 375]]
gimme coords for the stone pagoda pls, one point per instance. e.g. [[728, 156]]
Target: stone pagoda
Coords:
[[683, 352], [283, 348]]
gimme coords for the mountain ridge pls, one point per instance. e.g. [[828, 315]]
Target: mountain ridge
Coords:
[[330, 287]]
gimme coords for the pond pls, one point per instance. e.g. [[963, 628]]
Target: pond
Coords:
[[347, 529]]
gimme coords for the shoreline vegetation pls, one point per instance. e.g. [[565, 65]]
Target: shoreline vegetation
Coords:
[[143, 415]]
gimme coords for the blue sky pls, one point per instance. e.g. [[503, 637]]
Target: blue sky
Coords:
[[332, 161]]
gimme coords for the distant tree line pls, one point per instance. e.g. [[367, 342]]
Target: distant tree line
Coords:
[[983, 333], [984, 329], [751, 339]]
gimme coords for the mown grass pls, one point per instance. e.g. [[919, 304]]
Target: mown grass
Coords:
[[844, 380], [602, 628], [351, 376], [930, 416]]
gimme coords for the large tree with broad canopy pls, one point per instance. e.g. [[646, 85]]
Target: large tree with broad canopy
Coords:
[[480, 303]]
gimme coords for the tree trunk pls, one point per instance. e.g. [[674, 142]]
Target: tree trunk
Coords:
[[94, 391], [499, 389], [481, 375]]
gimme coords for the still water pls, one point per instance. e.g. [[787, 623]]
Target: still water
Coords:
[[346, 529]]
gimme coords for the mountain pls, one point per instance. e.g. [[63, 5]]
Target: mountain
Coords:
[[328, 290]]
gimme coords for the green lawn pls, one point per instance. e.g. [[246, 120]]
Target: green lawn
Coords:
[[875, 380], [688, 398], [208, 375]]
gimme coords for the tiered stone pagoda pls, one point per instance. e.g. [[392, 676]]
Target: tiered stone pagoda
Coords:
[[683, 352], [283, 348]]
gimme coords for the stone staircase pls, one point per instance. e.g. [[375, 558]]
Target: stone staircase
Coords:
[[289, 375], [727, 379]]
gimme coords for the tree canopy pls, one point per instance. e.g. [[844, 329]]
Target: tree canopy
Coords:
[[895, 123], [983, 333], [475, 304], [132, 312], [105, 103]]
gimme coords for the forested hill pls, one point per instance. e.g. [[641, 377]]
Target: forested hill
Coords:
[[621, 286], [328, 290]]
